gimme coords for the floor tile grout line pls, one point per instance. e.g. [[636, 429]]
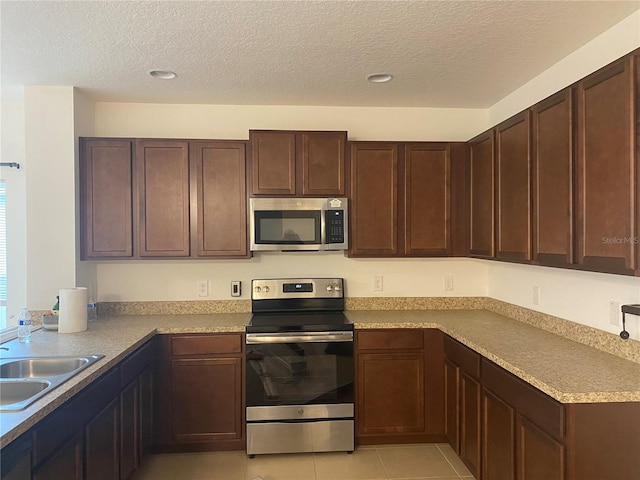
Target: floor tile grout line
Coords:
[[386, 474], [448, 461]]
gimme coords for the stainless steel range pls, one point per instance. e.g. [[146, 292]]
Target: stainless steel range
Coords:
[[299, 371]]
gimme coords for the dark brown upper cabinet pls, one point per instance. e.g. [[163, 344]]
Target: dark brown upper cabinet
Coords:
[[163, 183], [374, 199], [297, 163], [482, 187], [106, 192], [553, 176], [402, 199], [607, 169], [513, 198], [219, 200]]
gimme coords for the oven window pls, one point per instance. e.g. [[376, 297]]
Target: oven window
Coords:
[[299, 373], [288, 226]]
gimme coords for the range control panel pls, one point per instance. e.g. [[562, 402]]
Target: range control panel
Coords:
[[282, 288]]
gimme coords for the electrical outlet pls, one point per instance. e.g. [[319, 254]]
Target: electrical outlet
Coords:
[[536, 295], [447, 282], [614, 313], [377, 283], [203, 288], [236, 288]]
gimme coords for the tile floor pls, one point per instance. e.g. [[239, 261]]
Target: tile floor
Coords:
[[415, 462]]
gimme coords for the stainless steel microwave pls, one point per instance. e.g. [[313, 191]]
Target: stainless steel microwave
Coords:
[[283, 224]]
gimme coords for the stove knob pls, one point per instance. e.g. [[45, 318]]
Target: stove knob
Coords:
[[336, 287], [329, 288], [257, 289], [266, 289]]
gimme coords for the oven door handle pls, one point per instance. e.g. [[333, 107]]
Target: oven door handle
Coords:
[[307, 337]]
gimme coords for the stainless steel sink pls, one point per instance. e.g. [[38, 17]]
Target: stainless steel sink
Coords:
[[41, 367], [14, 392], [24, 380]]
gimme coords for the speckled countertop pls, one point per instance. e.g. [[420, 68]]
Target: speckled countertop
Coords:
[[566, 370]]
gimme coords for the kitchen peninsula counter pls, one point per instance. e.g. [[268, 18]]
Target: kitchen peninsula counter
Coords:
[[566, 370]]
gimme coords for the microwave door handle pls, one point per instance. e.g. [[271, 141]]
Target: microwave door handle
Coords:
[[313, 337]]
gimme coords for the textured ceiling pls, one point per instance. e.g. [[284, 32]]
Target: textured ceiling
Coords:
[[441, 53]]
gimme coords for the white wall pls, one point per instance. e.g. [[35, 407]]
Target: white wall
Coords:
[[12, 149], [234, 122], [176, 280], [83, 125], [50, 193], [582, 297]]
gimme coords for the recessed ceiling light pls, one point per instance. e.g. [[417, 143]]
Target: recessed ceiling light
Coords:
[[379, 77], [163, 74]]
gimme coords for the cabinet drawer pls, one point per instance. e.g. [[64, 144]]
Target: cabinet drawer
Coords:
[[542, 410], [464, 357], [206, 344], [133, 365], [390, 339]]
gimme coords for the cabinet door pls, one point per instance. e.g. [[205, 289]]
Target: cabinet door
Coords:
[[129, 430], [553, 238], [106, 189], [65, 464], [470, 423], [513, 189], [452, 404], [498, 438], [102, 459], [539, 456], [427, 196], [273, 162], [607, 170], [323, 163], [481, 174], [146, 412], [15, 459], [163, 182], [390, 393], [207, 400], [374, 197], [218, 170]]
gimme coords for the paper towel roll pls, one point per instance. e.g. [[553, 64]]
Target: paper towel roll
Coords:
[[73, 310]]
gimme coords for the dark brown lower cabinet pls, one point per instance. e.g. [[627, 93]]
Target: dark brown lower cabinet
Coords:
[[200, 393], [206, 398], [101, 436], [65, 464], [462, 402], [102, 433], [498, 438], [129, 459], [398, 390], [523, 429], [503, 428], [135, 409], [470, 422], [452, 404], [15, 459], [539, 456]]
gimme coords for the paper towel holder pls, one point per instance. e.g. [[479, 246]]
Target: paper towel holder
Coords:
[[633, 310]]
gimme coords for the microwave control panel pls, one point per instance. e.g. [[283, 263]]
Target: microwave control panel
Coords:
[[334, 221]]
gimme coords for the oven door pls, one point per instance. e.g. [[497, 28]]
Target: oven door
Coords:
[[300, 369]]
